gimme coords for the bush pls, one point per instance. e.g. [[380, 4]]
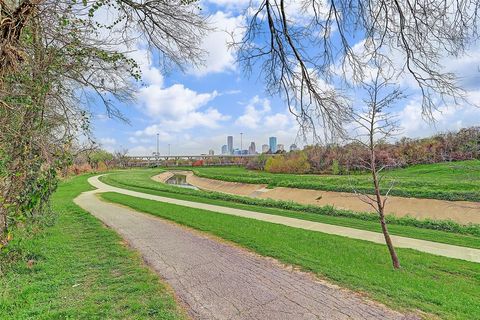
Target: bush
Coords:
[[335, 167], [257, 163], [198, 163], [294, 162]]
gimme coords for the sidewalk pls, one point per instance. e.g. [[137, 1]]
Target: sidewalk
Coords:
[[436, 248], [215, 280]]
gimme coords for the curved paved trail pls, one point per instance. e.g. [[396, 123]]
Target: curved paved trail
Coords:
[[215, 280], [436, 248]]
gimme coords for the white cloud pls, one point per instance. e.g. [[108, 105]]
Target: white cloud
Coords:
[[209, 118], [278, 121], [253, 115], [236, 5], [178, 108], [175, 108], [447, 118], [466, 67], [140, 151], [220, 57], [301, 12], [137, 141], [152, 130], [108, 141], [172, 102], [258, 115]]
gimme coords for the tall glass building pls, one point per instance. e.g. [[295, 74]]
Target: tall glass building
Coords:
[[272, 141], [230, 144]]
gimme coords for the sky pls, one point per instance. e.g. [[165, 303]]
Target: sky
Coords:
[[194, 111]]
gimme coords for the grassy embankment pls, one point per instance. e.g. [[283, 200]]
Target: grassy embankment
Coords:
[[140, 180], [446, 181], [447, 288], [80, 270]]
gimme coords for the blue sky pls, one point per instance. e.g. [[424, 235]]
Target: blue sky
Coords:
[[194, 111]]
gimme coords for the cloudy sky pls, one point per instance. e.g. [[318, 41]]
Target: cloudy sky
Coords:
[[196, 110]]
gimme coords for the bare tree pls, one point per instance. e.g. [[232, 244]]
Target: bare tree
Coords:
[[309, 53], [120, 157], [308, 48], [376, 124]]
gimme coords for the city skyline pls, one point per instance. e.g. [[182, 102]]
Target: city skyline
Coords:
[[272, 147], [225, 149], [199, 108]]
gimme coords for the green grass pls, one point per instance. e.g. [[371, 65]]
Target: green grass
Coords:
[[82, 271], [436, 285], [139, 180], [447, 181]]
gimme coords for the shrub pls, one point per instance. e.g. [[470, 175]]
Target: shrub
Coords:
[[198, 163], [335, 167], [295, 162], [257, 163]]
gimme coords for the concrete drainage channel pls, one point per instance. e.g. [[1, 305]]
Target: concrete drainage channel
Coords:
[[180, 180], [463, 212]]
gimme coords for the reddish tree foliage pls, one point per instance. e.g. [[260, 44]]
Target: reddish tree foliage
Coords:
[[451, 146], [198, 163]]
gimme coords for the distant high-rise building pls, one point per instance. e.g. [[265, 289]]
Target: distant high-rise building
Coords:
[[224, 149], [293, 147], [265, 148], [280, 147], [211, 152], [230, 144], [252, 149], [272, 141]]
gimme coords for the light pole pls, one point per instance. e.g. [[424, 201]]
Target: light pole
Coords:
[[169, 149]]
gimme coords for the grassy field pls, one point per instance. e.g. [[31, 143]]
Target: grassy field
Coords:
[[444, 287], [448, 181], [140, 180], [81, 270]]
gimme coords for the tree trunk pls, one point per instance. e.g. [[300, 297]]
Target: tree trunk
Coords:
[[388, 240], [381, 213]]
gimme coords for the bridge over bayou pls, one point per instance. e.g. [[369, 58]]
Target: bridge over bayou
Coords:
[[179, 160]]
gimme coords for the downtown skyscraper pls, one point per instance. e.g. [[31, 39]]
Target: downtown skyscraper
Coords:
[[272, 141], [230, 144]]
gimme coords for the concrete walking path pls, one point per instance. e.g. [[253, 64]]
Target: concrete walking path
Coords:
[[216, 280], [436, 248]]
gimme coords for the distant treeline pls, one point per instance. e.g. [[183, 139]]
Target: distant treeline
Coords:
[[352, 157]]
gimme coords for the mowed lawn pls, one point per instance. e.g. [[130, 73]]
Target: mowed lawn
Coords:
[[441, 287], [448, 181], [80, 270], [140, 180]]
